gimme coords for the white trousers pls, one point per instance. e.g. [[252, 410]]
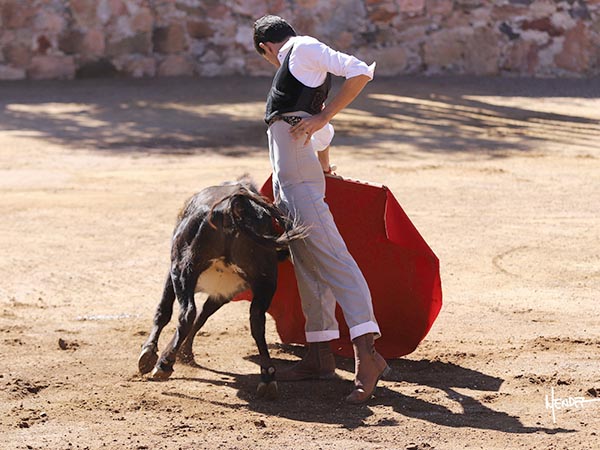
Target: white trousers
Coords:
[[325, 270]]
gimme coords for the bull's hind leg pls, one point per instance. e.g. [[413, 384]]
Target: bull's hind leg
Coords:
[[211, 305], [149, 354], [263, 293], [184, 285]]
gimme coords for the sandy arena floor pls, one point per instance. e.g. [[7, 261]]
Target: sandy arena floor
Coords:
[[501, 177]]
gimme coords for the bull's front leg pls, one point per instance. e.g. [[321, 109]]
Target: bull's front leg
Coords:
[[267, 387], [211, 305]]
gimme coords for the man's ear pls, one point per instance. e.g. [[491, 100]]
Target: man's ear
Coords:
[[270, 52], [266, 48]]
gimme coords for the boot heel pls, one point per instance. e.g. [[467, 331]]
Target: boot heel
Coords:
[[359, 396]]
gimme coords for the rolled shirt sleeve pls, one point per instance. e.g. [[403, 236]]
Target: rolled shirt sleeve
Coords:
[[343, 65], [311, 60]]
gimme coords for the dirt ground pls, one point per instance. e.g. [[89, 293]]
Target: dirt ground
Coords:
[[500, 176]]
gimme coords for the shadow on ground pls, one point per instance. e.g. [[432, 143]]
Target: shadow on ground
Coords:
[[198, 115], [322, 401]]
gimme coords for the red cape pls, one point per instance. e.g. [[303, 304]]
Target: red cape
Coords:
[[401, 270]]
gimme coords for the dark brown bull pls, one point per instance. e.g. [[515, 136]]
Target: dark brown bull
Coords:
[[225, 242]]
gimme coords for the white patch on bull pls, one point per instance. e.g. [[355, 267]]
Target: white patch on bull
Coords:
[[220, 279]]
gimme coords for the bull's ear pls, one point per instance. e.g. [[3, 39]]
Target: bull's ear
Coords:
[[238, 207]]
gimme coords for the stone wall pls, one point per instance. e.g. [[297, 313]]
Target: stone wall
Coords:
[[53, 39]]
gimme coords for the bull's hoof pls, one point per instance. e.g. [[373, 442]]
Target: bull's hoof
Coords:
[[269, 390], [147, 360], [159, 374]]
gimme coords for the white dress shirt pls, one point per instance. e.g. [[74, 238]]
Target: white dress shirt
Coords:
[[311, 60]]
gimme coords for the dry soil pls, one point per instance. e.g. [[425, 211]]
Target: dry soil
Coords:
[[501, 177]]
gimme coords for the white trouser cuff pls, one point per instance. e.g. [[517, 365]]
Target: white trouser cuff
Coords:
[[365, 328], [322, 336]]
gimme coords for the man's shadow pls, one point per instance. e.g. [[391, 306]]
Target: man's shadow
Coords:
[[323, 401]]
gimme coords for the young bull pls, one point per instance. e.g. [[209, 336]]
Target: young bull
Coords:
[[224, 242]]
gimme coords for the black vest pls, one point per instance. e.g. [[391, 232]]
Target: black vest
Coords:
[[287, 94]]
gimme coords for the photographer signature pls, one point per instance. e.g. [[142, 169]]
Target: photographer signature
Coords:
[[557, 403]]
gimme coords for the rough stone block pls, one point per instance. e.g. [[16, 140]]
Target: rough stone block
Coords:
[[501, 12], [138, 66], [175, 65], [17, 14], [308, 3], [383, 12], [70, 42], [411, 6], [49, 22], [482, 53], [544, 24], [521, 58], [218, 11], [46, 67], [442, 7], [562, 21], [200, 29], [118, 7], [254, 67], [11, 73], [250, 8], [541, 8], [139, 43], [94, 43], [469, 4], [343, 41], [576, 51], [142, 20], [84, 12], [169, 39], [86, 44], [18, 55], [443, 50], [243, 38], [390, 60]]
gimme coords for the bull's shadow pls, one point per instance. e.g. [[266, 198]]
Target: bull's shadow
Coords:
[[323, 401]]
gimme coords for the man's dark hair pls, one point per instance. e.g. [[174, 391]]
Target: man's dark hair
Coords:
[[271, 29]]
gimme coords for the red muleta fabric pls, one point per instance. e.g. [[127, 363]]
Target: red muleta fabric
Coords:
[[401, 270]]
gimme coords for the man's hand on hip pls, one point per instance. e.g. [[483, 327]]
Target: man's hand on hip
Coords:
[[307, 127]]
